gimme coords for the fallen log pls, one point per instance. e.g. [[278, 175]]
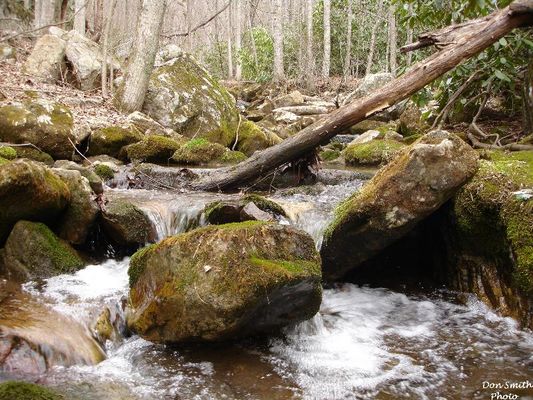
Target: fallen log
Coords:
[[469, 39]]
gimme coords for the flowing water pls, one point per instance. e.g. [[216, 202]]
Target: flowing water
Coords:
[[364, 343]]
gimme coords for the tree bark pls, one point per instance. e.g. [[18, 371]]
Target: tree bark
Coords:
[[327, 39], [238, 35], [105, 48], [475, 37], [230, 44], [393, 37], [79, 17], [279, 70], [130, 97], [45, 12], [372, 47], [310, 61], [528, 100], [348, 59], [409, 35]]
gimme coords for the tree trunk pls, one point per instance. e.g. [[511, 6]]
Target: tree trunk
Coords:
[[348, 59], [528, 99], [372, 48], [409, 36], [45, 12], [310, 61], [230, 44], [327, 39], [105, 48], [238, 35], [131, 95], [79, 16], [393, 37], [279, 70], [472, 39]]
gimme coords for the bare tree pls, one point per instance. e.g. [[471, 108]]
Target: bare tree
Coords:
[[372, 48], [409, 35], [238, 35], [79, 16], [45, 12], [230, 43], [105, 47], [130, 96], [347, 60], [279, 71], [327, 39], [310, 61], [393, 38]]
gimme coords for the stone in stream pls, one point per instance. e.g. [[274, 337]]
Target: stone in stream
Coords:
[[154, 148], [183, 96], [222, 282], [33, 251], [373, 152], [126, 224], [30, 191], [201, 152], [45, 124], [34, 338], [257, 208], [112, 139], [415, 184], [94, 179]]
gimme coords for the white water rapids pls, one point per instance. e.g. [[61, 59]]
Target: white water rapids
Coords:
[[365, 343]]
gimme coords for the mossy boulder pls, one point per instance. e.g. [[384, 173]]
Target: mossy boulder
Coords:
[[33, 251], [183, 96], [31, 153], [223, 282], [252, 138], [199, 151], [8, 153], [82, 211], [94, 180], [127, 224], [224, 212], [154, 148], [411, 122], [375, 152], [369, 125], [14, 390], [29, 191], [45, 124], [104, 171], [112, 139], [329, 154], [490, 235], [232, 157], [411, 187]]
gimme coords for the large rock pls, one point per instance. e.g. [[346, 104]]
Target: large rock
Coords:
[[148, 126], [411, 121], [368, 85], [373, 152], [411, 187], [198, 152], [252, 138], [80, 215], [85, 59], [185, 97], [228, 211], [34, 338], [45, 124], [294, 98], [33, 251], [154, 148], [47, 59], [222, 282], [112, 139], [94, 179], [126, 224], [29, 191]]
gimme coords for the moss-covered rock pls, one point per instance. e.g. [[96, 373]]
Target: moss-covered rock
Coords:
[[199, 151], [32, 251], [329, 154], [228, 211], [252, 138], [154, 148], [185, 97], [29, 191], [490, 238], [34, 154], [105, 172], [126, 224], [232, 157], [8, 153], [82, 211], [13, 390], [411, 122], [414, 185], [375, 152], [221, 282], [45, 124], [112, 139], [94, 180]]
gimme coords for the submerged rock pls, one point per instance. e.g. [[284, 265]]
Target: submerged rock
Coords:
[[222, 282], [33, 251], [45, 124], [183, 96], [34, 338], [47, 59], [411, 187], [126, 224], [374, 152], [29, 191]]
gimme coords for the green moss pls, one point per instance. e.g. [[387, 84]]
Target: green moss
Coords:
[[329, 155], [518, 165], [199, 151], [33, 154], [369, 125], [3, 161], [372, 153], [411, 139], [288, 267], [264, 204], [104, 171], [112, 139], [13, 390], [7, 152], [138, 263], [233, 157], [153, 148], [252, 138]]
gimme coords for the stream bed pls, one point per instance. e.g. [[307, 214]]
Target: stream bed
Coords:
[[365, 343]]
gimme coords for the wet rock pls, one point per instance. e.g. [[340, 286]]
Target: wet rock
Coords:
[[47, 59], [82, 211], [33, 251], [221, 282], [95, 181], [488, 234], [183, 96], [7, 52], [415, 184], [104, 171], [85, 60], [29, 191], [374, 152], [252, 138], [12, 390], [34, 338], [158, 149], [224, 212], [411, 122], [111, 140], [198, 151], [293, 98], [45, 124], [126, 224], [250, 212]]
